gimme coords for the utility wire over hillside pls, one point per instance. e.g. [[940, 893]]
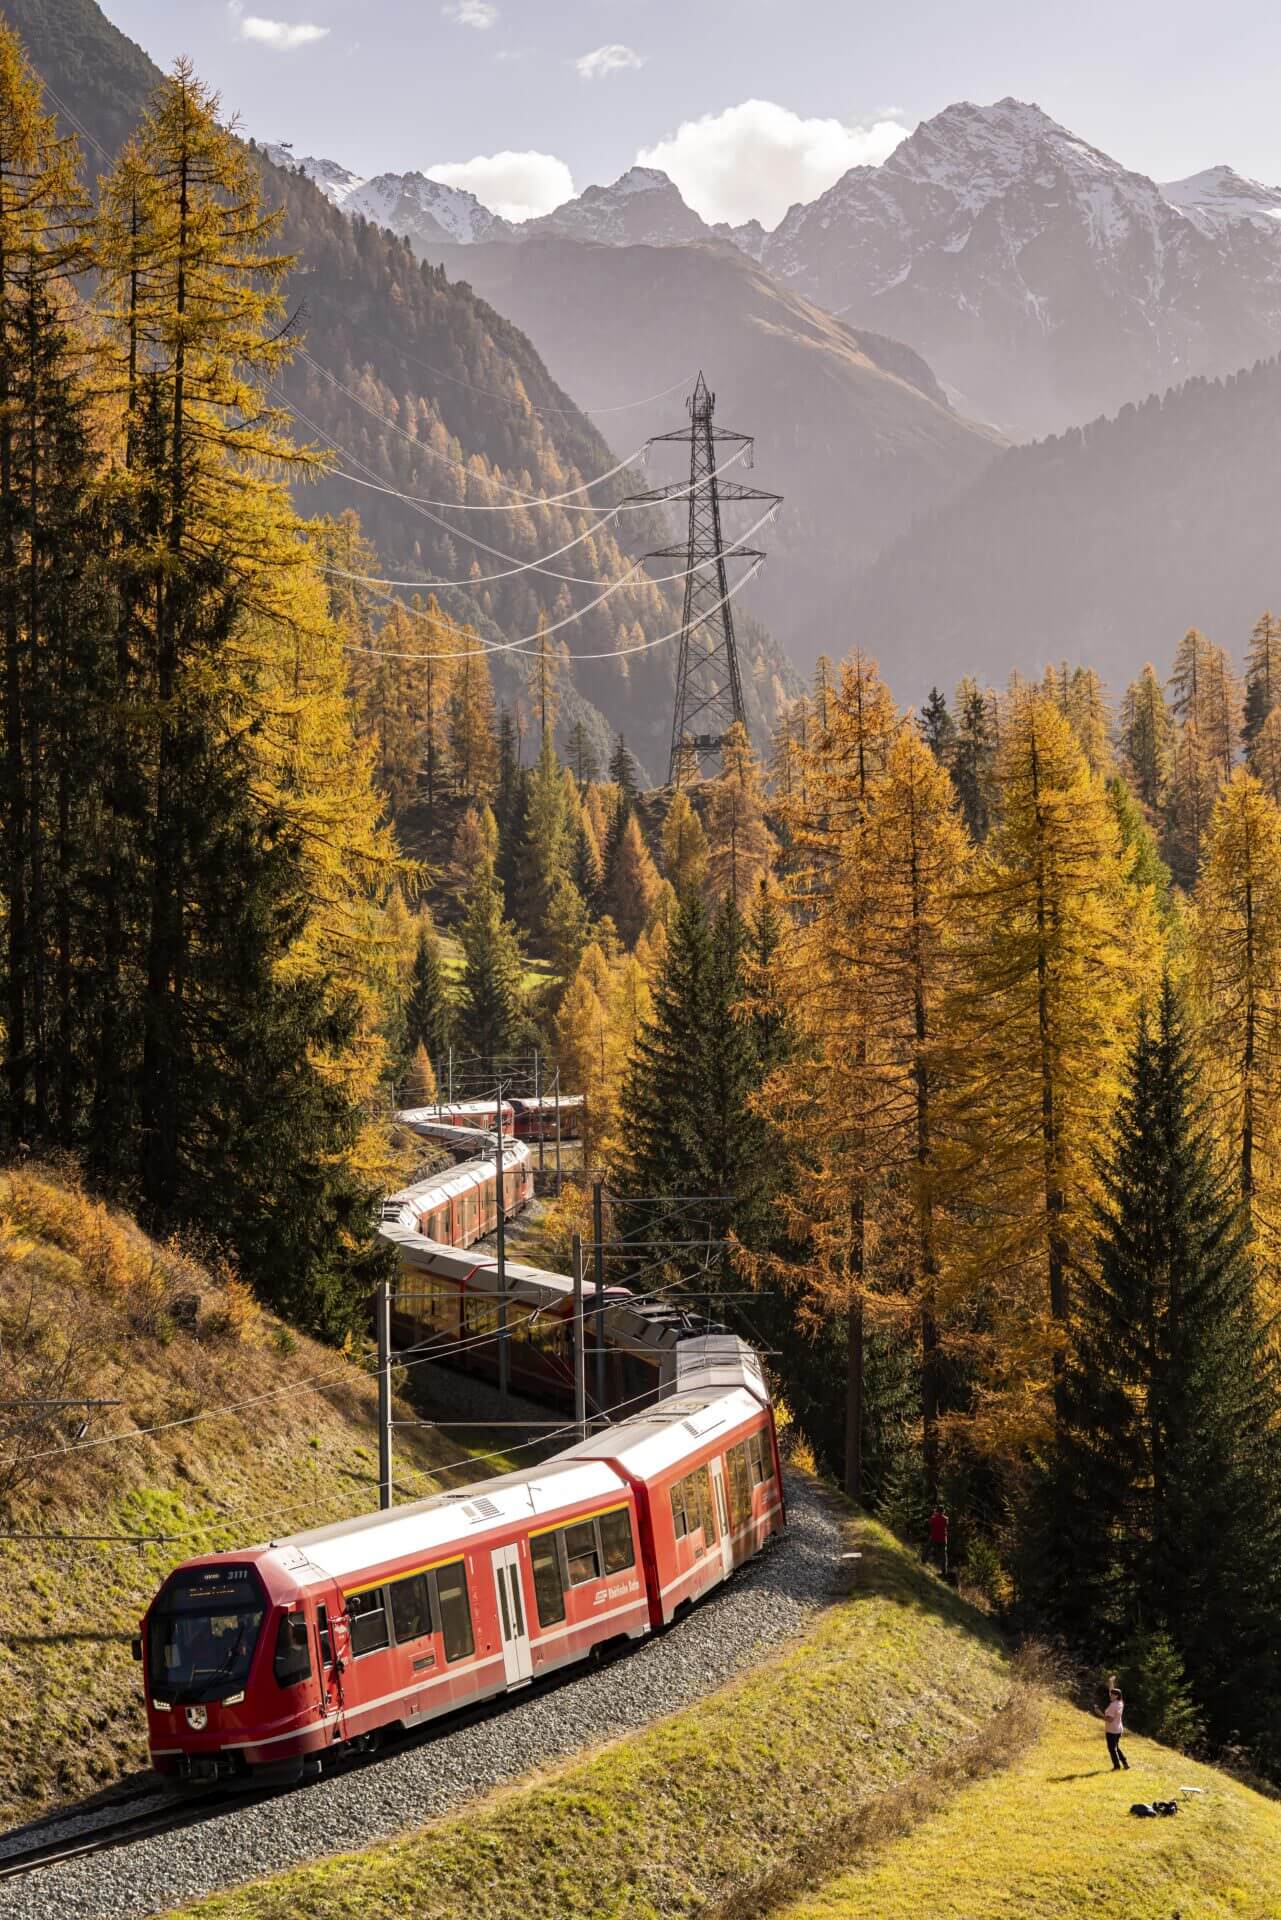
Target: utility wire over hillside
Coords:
[[709, 689]]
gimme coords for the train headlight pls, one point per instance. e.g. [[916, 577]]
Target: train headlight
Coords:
[[197, 1718], [161, 1706], [233, 1699]]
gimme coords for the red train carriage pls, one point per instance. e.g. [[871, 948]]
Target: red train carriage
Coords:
[[704, 1470], [264, 1661]]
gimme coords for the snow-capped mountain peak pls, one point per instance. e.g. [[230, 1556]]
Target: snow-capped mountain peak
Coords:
[[641, 208], [1220, 195], [408, 203], [1041, 278]]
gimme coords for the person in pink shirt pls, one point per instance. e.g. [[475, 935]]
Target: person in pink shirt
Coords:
[[1113, 1714]]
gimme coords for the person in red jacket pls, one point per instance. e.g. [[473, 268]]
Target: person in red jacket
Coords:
[[937, 1543]]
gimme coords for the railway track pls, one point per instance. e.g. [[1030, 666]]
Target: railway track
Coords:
[[167, 1817], [188, 1809]]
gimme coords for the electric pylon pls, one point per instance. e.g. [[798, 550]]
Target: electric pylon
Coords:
[[709, 690]]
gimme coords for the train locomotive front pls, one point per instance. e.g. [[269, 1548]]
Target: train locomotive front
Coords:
[[242, 1668]]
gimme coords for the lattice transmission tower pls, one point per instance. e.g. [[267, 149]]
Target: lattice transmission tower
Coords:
[[709, 689]]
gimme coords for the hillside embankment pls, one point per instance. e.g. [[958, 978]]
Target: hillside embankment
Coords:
[[89, 1306]]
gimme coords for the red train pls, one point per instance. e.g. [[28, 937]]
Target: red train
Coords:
[[262, 1662]]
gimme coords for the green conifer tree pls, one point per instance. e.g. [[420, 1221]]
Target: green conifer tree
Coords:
[[973, 757], [937, 727], [428, 1009], [1166, 1507], [491, 1012]]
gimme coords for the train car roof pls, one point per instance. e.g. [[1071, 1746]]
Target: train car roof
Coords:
[[660, 1437], [529, 1284], [444, 1520]]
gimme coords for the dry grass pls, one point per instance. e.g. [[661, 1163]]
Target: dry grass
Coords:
[[1052, 1838], [90, 1306]]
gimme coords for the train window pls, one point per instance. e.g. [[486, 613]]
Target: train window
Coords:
[[581, 1555], [740, 1485], [762, 1457], [454, 1609], [368, 1615], [701, 1481], [326, 1638], [292, 1663], [410, 1607], [680, 1525], [549, 1587], [617, 1550]]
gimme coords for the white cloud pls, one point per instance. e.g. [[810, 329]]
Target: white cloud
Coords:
[[754, 160], [471, 13], [610, 59], [520, 186], [283, 35]]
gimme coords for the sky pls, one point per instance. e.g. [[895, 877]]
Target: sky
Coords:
[[748, 104]]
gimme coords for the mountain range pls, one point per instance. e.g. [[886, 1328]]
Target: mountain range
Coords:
[[423, 390], [1043, 281]]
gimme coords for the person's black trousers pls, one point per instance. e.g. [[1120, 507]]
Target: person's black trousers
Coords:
[[1118, 1758]]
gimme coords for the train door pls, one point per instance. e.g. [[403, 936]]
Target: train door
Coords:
[[511, 1615], [330, 1672], [722, 1514]]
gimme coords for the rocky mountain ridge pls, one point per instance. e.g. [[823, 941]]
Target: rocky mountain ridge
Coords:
[[1045, 282]]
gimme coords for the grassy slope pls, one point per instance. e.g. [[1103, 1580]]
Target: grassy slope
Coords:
[[1053, 1838], [69, 1703], [665, 1822]]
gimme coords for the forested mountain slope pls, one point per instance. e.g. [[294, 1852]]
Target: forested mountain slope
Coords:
[[1100, 546], [447, 401], [853, 429]]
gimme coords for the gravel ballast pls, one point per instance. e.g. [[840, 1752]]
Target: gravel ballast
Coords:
[[765, 1603]]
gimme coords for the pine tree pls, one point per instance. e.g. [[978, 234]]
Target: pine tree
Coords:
[[585, 866], [1170, 1391], [1056, 947], [622, 771], [740, 847], [1265, 756], [1206, 696], [490, 1012], [937, 727], [471, 722], [41, 248], [1194, 782], [428, 1008], [1144, 868], [826, 978], [420, 1089], [545, 851], [1262, 677], [582, 757], [688, 1125], [567, 927], [1147, 739], [1237, 963], [684, 846], [631, 888], [542, 676], [973, 757]]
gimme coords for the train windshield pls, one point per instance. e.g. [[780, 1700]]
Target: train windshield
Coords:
[[203, 1633]]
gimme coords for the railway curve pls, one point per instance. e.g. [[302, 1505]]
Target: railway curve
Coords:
[[163, 1854]]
